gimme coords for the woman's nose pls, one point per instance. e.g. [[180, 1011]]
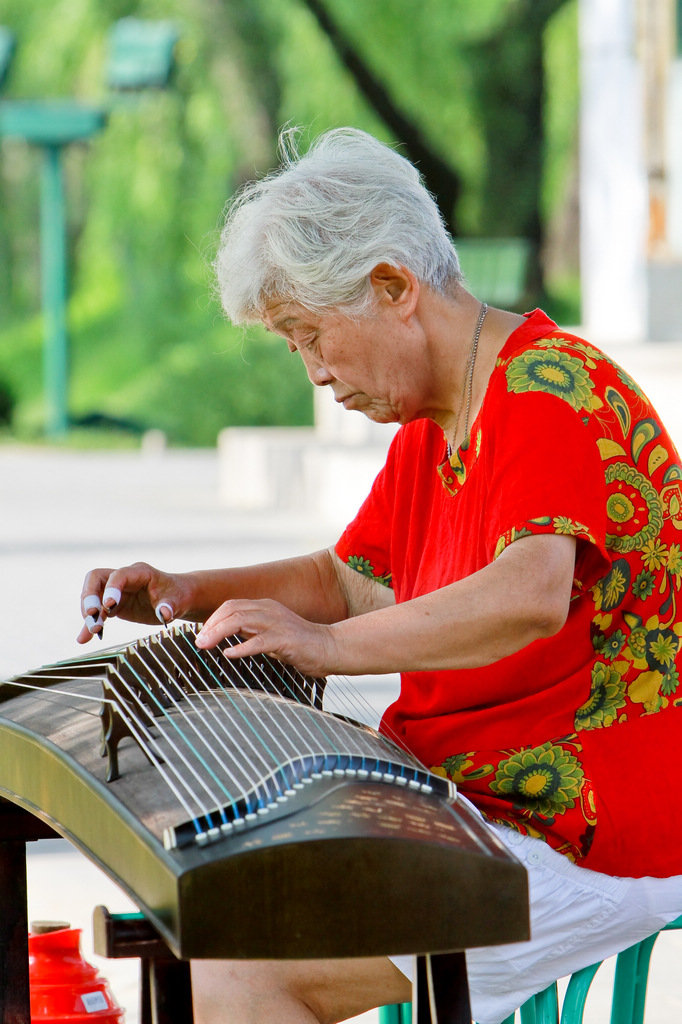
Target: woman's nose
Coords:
[[321, 376], [318, 374]]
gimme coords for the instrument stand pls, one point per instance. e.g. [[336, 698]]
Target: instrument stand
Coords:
[[441, 989], [165, 991], [17, 827], [165, 981]]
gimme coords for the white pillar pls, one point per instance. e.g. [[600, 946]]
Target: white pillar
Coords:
[[674, 137], [613, 187]]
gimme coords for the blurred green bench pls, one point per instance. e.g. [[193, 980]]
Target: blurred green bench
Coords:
[[495, 269]]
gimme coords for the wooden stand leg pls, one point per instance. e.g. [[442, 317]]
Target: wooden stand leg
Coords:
[[170, 991], [17, 827], [165, 981], [15, 1007], [441, 989]]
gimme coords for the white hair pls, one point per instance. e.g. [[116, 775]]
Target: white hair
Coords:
[[312, 231]]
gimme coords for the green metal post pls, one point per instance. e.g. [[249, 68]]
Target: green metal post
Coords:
[[53, 272]]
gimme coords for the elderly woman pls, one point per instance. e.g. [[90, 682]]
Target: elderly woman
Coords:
[[518, 560]]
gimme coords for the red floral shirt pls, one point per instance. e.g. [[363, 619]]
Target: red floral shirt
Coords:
[[575, 738]]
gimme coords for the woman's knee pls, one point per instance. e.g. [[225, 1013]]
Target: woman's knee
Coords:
[[293, 991]]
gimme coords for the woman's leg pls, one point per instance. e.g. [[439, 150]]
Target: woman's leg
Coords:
[[293, 991]]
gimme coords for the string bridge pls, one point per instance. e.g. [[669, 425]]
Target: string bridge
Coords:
[[301, 781]]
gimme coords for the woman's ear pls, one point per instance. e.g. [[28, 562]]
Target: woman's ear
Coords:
[[396, 286]]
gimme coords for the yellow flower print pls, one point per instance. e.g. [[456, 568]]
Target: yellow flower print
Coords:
[[614, 585], [592, 355], [637, 644], [654, 553], [545, 779], [633, 507], [569, 527], [674, 561], [597, 592], [457, 768], [645, 690], [555, 373], [662, 647], [606, 698]]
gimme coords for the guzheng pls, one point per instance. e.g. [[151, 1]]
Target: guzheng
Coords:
[[243, 818]]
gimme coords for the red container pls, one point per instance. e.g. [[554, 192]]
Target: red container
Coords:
[[65, 988]]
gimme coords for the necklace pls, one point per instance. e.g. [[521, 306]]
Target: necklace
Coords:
[[465, 399]]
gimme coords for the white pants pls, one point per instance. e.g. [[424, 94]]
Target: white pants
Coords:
[[577, 917]]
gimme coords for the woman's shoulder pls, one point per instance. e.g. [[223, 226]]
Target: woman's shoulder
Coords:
[[562, 365]]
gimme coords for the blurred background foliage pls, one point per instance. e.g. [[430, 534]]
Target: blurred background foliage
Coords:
[[482, 95]]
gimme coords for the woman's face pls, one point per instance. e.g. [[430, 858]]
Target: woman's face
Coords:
[[374, 365]]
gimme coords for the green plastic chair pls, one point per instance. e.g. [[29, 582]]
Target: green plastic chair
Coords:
[[397, 1013], [627, 1005]]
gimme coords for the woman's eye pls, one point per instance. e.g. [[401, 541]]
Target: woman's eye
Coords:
[[299, 343]]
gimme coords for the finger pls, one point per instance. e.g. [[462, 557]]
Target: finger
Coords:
[[94, 623], [252, 645], [91, 594], [84, 636], [111, 598], [92, 605], [206, 638], [231, 618], [128, 579], [92, 609], [164, 612], [131, 591]]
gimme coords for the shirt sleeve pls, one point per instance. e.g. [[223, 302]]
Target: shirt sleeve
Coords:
[[548, 478]]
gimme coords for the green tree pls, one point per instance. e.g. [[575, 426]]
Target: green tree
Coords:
[[144, 199], [501, 53]]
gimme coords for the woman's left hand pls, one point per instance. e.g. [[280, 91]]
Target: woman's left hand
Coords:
[[269, 627]]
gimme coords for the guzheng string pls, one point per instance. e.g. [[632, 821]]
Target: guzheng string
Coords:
[[136, 725], [183, 769], [305, 740], [231, 718], [137, 728], [215, 732]]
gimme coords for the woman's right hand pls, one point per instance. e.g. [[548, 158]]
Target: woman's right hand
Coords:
[[138, 593]]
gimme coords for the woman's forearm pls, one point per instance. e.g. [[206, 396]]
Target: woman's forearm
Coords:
[[308, 585], [522, 596], [317, 588]]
